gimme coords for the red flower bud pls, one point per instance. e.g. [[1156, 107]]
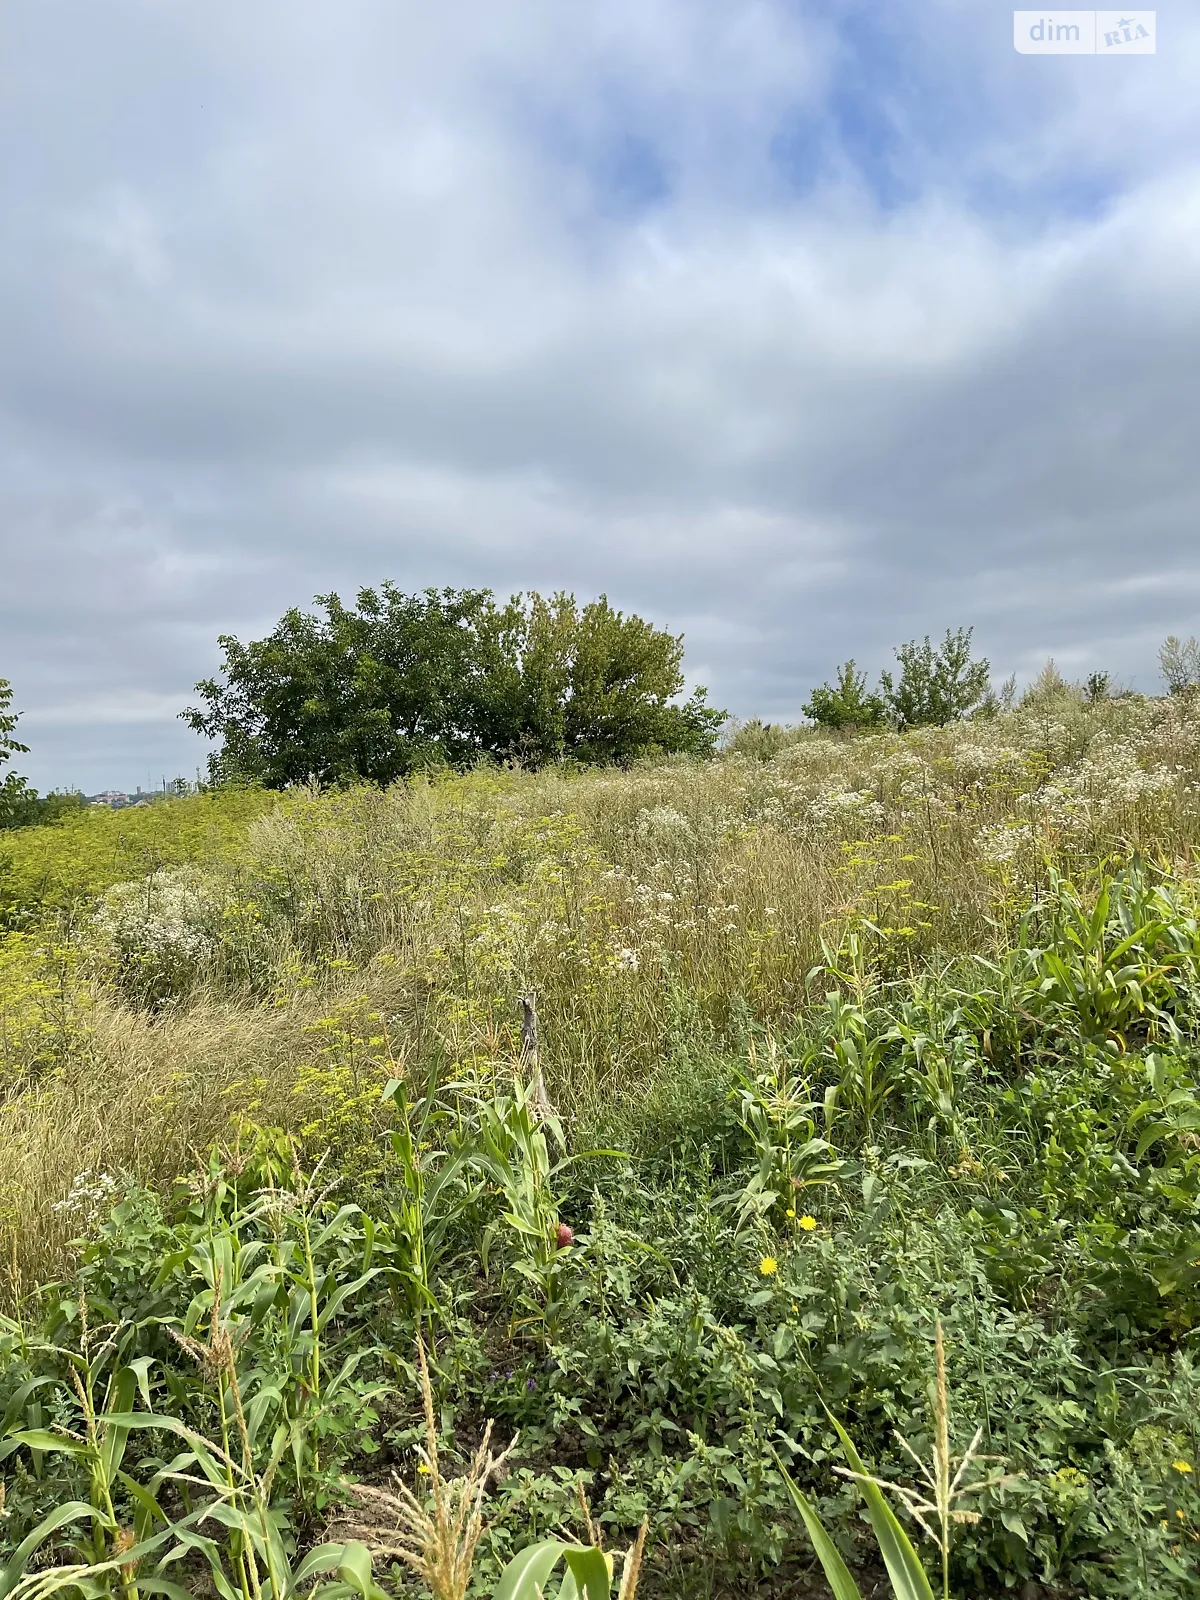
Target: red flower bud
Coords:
[[564, 1236]]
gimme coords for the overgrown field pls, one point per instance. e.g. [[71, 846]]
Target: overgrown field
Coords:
[[868, 1035]]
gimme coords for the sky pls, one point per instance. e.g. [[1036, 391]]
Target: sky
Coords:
[[801, 328]]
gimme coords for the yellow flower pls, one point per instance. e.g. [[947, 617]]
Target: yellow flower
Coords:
[[791, 1211], [1181, 1466], [424, 1468], [768, 1266], [808, 1223]]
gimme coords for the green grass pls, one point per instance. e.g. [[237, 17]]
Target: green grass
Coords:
[[875, 1033]]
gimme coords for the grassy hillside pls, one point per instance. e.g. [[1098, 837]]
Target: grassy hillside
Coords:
[[874, 1033]]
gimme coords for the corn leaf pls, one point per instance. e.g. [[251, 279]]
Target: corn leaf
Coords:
[[904, 1567], [589, 1567], [836, 1572], [527, 1573]]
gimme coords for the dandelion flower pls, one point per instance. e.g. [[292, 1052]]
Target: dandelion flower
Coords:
[[768, 1266], [424, 1468], [808, 1223], [1182, 1466], [791, 1211]]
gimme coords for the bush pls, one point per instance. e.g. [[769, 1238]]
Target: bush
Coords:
[[847, 703]]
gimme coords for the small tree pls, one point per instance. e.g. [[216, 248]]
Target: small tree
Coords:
[[1098, 686], [1180, 663], [847, 703], [20, 804], [1048, 688], [936, 686], [14, 791], [8, 723]]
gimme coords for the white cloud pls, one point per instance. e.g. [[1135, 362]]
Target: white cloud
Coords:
[[807, 331]]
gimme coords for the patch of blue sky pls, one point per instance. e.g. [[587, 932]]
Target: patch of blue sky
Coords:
[[1046, 200], [912, 111], [629, 174], [606, 154], [898, 106]]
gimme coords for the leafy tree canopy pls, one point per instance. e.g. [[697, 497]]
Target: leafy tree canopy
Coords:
[[936, 685], [14, 791], [402, 682], [1180, 662], [848, 703]]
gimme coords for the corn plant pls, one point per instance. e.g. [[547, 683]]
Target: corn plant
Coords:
[[513, 1155], [1103, 969], [777, 1113], [280, 1259], [860, 1052], [433, 1192], [937, 1048], [255, 1564], [101, 1384], [861, 1058]]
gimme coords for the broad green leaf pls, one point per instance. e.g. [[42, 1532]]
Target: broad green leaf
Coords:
[[354, 1568], [529, 1570], [334, 1226], [210, 1458], [149, 1510], [120, 1398], [590, 1569], [904, 1567], [70, 1511], [43, 1439], [836, 1572], [335, 1303], [16, 1404]]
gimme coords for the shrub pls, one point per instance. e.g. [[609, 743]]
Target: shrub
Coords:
[[847, 703]]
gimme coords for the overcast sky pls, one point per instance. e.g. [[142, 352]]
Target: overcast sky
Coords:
[[806, 328]]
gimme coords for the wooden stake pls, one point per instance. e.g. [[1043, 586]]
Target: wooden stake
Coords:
[[530, 1061]]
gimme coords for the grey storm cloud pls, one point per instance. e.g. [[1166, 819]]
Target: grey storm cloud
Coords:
[[802, 328]]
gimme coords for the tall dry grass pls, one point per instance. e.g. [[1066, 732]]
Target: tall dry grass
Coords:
[[656, 913]]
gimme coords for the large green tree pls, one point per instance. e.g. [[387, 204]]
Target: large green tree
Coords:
[[401, 682]]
